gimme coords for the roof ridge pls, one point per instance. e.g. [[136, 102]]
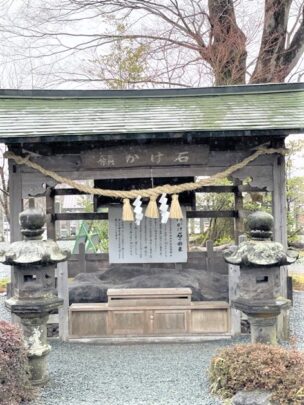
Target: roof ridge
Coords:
[[152, 93]]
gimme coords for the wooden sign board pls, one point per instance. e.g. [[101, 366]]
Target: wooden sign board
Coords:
[[150, 242], [143, 156]]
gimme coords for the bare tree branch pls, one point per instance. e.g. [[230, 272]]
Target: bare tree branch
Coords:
[[211, 31]]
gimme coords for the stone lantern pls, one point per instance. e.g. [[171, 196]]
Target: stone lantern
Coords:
[[260, 259], [33, 261]]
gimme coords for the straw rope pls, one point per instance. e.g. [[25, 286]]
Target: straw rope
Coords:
[[152, 192]]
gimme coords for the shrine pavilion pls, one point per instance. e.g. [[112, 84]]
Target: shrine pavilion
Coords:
[[141, 139]]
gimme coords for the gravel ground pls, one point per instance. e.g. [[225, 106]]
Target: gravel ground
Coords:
[[297, 267], [297, 319], [4, 314], [151, 374]]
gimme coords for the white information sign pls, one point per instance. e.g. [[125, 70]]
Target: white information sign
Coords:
[[149, 242]]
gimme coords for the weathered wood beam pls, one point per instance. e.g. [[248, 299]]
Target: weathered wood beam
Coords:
[[212, 214], [204, 189], [89, 216], [262, 133], [115, 161], [257, 172]]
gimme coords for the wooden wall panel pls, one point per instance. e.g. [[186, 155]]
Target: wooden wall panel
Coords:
[[100, 320], [209, 321], [169, 322], [88, 323], [127, 322]]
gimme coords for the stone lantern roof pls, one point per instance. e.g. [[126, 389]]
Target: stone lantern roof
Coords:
[[260, 250], [33, 250]]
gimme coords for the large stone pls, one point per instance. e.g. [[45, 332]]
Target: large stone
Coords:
[[92, 287], [256, 397]]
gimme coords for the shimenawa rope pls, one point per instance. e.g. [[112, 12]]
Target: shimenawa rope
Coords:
[[152, 193]]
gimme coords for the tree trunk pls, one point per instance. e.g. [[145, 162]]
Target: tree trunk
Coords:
[[227, 52], [269, 66]]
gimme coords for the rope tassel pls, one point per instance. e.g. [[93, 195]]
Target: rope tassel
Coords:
[[152, 210], [175, 210], [127, 212]]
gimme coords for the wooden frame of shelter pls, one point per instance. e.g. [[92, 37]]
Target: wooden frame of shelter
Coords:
[[86, 134]]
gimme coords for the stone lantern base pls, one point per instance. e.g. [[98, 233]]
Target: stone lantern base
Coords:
[[263, 329], [33, 318], [262, 317], [35, 335]]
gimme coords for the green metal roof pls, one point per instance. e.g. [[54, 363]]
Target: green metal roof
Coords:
[[26, 115]]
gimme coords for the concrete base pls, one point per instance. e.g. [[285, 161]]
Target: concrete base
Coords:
[[151, 339]]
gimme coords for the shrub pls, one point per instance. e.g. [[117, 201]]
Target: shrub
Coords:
[[259, 366], [298, 282], [15, 386], [3, 283]]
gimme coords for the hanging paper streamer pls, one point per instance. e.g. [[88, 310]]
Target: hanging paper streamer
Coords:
[[175, 210], [152, 210], [138, 210], [127, 212], [163, 208]]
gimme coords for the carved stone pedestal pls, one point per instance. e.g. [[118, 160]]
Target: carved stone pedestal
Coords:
[[263, 329], [35, 334]]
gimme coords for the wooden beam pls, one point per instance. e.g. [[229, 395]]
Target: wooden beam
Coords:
[[204, 189], [89, 216], [247, 133], [212, 214], [74, 165], [80, 216], [32, 177]]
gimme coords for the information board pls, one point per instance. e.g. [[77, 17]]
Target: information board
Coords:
[[149, 242]]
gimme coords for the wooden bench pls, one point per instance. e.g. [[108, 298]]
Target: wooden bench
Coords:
[[149, 312]]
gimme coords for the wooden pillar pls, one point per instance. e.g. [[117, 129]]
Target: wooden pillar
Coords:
[[15, 201], [15, 207], [209, 256], [234, 287], [63, 292], [238, 206], [279, 212], [50, 211], [82, 258]]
